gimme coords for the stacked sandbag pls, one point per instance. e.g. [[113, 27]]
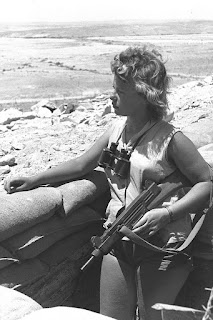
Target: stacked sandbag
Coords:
[[65, 313], [15, 305], [44, 236]]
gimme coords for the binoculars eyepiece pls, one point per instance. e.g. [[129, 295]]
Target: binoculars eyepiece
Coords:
[[116, 160], [107, 157]]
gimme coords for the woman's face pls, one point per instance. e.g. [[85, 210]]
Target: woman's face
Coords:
[[125, 99]]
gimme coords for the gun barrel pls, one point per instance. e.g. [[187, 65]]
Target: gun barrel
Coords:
[[95, 255], [86, 265]]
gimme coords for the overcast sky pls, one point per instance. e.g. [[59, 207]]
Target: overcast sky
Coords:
[[84, 10]]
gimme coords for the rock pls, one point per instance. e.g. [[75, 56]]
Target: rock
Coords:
[[5, 149], [81, 109], [43, 112], [57, 112], [208, 147], [7, 160], [51, 106], [208, 156], [9, 115], [43, 109], [64, 109], [45, 103], [207, 153], [16, 145], [15, 127], [4, 170], [28, 115], [10, 125], [3, 128], [208, 80], [201, 132], [64, 148], [79, 116], [66, 117], [107, 110]]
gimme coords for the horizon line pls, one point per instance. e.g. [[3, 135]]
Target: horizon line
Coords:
[[145, 20]]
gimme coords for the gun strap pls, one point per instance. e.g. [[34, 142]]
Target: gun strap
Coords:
[[142, 242]]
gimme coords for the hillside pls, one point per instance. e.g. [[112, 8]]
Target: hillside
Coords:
[[106, 28]]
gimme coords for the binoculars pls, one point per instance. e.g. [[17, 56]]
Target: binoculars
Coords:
[[116, 160]]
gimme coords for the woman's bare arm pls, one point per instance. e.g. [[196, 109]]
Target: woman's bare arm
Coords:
[[66, 171], [184, 155], [188, 160]]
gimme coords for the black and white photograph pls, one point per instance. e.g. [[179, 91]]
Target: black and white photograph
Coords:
[[106, 160]]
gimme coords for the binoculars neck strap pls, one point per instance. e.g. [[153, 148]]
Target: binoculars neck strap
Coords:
[[142, 133]]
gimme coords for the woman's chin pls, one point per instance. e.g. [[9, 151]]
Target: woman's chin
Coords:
[[117, 111]]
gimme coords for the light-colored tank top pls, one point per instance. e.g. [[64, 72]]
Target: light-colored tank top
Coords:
[[148, 161]]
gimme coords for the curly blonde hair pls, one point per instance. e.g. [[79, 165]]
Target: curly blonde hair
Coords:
[[146, 69]]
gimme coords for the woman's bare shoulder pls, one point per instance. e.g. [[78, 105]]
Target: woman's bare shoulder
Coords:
[[183, 153]]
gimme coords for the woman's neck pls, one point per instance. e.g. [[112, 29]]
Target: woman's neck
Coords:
[[135, 124]]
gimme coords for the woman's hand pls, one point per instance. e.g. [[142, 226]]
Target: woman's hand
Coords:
[[151, 222], [19, 184]]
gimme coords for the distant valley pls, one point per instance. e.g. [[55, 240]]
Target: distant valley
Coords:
[[72, 60]]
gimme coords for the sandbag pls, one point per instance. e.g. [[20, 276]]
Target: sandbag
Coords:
[[20, 211], [22, 273], [65, 313], [63, 260], [33, 241], [83, 191], [15, 305], [6, 258]]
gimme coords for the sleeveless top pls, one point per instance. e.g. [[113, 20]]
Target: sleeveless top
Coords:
[[148, 161]]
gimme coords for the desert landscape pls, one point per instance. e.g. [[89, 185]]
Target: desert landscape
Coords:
[[70, 61]]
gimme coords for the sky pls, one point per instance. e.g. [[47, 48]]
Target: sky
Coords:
[[99, 10]]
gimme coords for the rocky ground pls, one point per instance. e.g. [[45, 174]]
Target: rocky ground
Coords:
[[47, 135]]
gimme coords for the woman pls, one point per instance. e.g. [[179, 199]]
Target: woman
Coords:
[[155, 149]]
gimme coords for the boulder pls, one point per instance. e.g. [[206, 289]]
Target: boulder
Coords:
[[201, 132], [9, 115]]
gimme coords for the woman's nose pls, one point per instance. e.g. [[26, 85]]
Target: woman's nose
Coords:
[[113, 98]]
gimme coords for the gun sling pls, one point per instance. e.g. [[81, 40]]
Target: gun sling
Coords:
[[142, 242]]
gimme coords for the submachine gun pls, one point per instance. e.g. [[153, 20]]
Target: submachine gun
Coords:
[[151, 197]]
